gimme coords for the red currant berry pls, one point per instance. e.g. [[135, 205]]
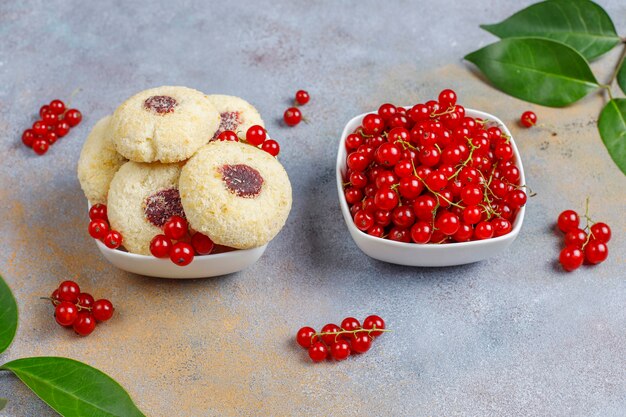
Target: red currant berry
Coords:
[[65, 313], [357, 161], [353, 195], [202, 244], [292, 116], [363, 220], [419, 112], [410, 187], [575, 237], [113, 239], [528, 119], [332, 329], [318, 352], [361, 342], [483, 230], [388, 154], [54, 297], [376, 231], [302, 97], [28, 137], [386, 199], [501, 227], [503, 151], [398, 134], [256, 135], [50, 119], [84, 301], [421, 232], [596, 251], [43, 110], [350, 324], [373, 124], [571, 258], [429, 156], [160, 246], [62, 128], [374, 322], [98, 212], [98, 229], [447, 98], [175, 228], [40, 146], [40, 128], [340, 350], [568, 220], [387, 111], [516, 199], [271, 146], [448, 223], [182, 254], [464, 233], [353, 141], [68, 291], [472, 214], [84, 323], [305, 337], [73, 117], [472, 194], [358, 179], [55, 106], [601, 232], [102, 310], [228, 135], [403, 216], [424, 207]]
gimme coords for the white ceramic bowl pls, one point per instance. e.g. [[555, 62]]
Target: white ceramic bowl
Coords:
[[413, 254], [201, 267]]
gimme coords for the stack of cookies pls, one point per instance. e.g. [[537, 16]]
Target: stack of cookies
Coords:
[[157, 156]]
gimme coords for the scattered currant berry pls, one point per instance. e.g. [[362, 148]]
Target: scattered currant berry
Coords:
[[175, 228], [256, 135], [202, 244], [318, 352], [160, 246], [302, 97], [528, 119], [292, 116], [182, 253], [271, 146], [113, 239], [102, 310], [40, 146], [73, 117], [65, 313], [98, 212], [84, 324], [28, 137], [305, 337], [228, 135], [68, 291]]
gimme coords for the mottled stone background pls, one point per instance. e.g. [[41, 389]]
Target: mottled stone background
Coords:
[[510, 336]]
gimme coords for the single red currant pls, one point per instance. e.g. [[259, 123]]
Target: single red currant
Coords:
[[44, 109], [85, 301], [62, 128], [55, 107], [175, 228], [98, 212], [102, 310], [373, 124], [302, 97], [388, 154], [601, 232], [40, 146], [50, 119], [575, 237], [292, 116], [113, 239], [40, 128], [387, 111], [182, 254], [271, 146], [421, 232], [353, 195], [464, 233], [448, 223], [160, 246], [472, 194], [483, 230], [596, 251], [357, 161], [472, 214], [447, 98], [386, 199], [68, 291], [228, 135], [361, 342], [256, 135], [340, 350], [353, 141], [568, 220], [28, 137], [305, 337], [374, 322], [528, 119], [332, 330], [65, 313], [571, 258], [363, 220], [202, 244], [318, 352], [501, 227], [350, 324], [516, 198], [84, 323], [73, 117]]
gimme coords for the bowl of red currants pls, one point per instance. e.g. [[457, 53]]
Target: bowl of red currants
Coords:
[[430, 185]]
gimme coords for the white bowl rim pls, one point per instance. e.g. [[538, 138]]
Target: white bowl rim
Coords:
[[342, 154]]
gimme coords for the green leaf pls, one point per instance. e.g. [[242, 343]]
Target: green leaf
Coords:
[[3, 403], [8, 316], [612, 126], [581, 24], [621, 76], [72, 388], [537, 70]]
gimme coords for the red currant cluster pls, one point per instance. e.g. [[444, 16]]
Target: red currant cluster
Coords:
[[431, 174], [528, 119], [340, 342], [255, 136], [56, 121], [589, 243], [79, 310], [183, 251], [293, 115], [99, 227]]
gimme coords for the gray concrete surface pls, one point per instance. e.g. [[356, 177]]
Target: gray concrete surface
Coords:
[[510, 336]]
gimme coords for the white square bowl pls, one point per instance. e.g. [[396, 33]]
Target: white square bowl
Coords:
[[413, 254]]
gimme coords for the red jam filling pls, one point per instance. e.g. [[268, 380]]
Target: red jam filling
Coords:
[[162, 205], [160, 104], [229, 120], [242, 180]]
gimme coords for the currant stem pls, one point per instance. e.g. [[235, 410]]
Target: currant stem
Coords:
[[341, 332]]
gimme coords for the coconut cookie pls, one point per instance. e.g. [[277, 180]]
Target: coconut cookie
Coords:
[[236, 114], [98, 162], [165, 124], [142, 198], [236, 194]]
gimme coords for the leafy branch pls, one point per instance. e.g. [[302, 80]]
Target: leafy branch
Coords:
[[543, 58], [70, 387]]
